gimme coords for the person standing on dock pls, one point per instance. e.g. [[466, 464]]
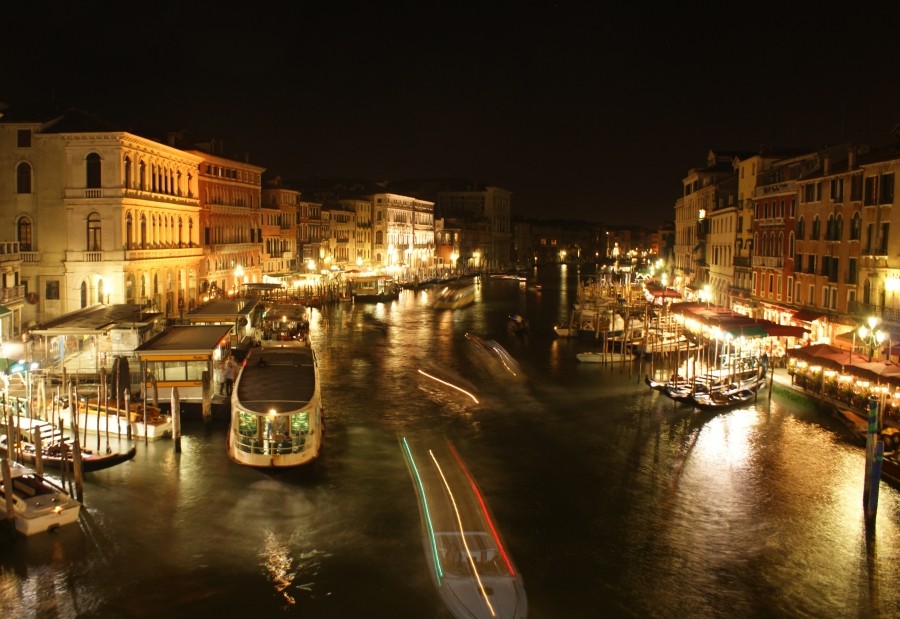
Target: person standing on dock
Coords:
[[230, 370]]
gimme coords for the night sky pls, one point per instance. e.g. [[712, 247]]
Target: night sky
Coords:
[[581, 111]]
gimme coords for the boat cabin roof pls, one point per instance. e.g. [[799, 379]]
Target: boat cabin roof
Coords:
[[280, 379]]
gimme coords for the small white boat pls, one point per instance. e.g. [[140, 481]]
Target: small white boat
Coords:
[[39, 504], [656, 343], [562, 331], [109, 420], [604, 357]]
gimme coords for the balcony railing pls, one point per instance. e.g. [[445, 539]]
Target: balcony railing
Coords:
[[133, 254], [13, 293], [768, 262], [862, 311]]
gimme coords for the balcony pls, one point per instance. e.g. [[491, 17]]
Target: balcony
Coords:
[[861, 311], [768, 262], [11, 294], [742, 261], [134, 254]]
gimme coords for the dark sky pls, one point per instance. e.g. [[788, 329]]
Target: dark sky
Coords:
[[581, 111]]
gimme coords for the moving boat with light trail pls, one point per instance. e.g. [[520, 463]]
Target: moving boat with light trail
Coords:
[[468, 561], [455, 295]]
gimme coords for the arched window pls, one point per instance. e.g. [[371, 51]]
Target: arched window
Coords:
[[84, 295], [801, 229], [143, 231], [180, 233], [142, 176], [23, 178], [855, 227], [815, 229], [93, 171], [129, 230], [23, 234], [127, 180], [93, 232]]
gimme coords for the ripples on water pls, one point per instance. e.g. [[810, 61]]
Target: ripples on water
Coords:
[[612, 499]]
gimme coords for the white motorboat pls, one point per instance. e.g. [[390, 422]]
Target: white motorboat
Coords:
[[38, 503], [146, 422], [664, 342], [604, 357], [469, 564], [562, 331]]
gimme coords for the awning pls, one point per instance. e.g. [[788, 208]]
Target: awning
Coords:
[[4, 311], [808, 314], [775, 330], [746, 330]]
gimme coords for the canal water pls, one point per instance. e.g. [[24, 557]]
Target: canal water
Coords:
[[612, 500]]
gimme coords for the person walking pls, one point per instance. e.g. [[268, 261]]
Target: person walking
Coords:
[[230, 370]]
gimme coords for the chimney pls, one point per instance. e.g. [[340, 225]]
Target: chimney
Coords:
[[851, 159], [826, 164]]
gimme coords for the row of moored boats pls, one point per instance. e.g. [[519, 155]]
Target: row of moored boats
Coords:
[[708, 392]]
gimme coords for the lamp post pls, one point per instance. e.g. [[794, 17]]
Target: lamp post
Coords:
[[870, 336]]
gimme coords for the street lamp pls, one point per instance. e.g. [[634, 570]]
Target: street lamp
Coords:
[[870, 336]]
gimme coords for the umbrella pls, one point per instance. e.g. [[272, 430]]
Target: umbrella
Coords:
[[829, 356], [876, 371]]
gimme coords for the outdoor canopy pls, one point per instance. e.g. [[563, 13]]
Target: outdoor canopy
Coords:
[[737, 325]]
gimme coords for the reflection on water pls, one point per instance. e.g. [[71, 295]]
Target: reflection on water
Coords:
[[609, 495]]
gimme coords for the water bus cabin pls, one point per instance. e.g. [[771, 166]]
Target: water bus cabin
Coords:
[[374, 289], [276, 407]]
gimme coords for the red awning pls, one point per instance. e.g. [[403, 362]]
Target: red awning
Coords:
[[775, 330], [808, 314]]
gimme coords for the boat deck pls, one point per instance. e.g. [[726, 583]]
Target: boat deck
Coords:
[[271, 377]]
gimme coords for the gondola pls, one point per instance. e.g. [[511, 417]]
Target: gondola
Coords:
[[724, 398], [51, 456]]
